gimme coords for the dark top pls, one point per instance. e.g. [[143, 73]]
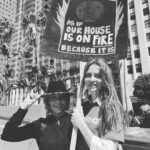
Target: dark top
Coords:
[[146, 121], [48, 132]]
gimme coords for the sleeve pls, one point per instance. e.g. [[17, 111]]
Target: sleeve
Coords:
[[146, 122], [103, 144], [13, 132], [114, 135], [110, 140]]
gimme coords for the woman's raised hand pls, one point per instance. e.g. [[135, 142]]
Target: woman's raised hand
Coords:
[[30, 99], [77, 116]]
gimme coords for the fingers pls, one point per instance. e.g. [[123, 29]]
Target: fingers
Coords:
[[32, 96], [78, 109], [77, 113], [73, 118], [77, 116], [30, 99]]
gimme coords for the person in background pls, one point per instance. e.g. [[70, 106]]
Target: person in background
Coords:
[[102, 120], [134, 121], [145, 110], [52, 132]]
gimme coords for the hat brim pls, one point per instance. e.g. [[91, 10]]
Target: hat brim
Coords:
[[57, 93]]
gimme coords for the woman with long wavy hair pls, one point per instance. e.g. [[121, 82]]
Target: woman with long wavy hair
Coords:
[[101, 122]]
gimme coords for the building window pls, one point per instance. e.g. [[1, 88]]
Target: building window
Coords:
[[146, 11], [130, 69], [52, 62], [138, 68], [135, 40], [148, 36], [134, 28], [144, 1], [132, 16], [137, 53], [17, 18], [131, 5], [129, 55], [147, 23], [149, 51]]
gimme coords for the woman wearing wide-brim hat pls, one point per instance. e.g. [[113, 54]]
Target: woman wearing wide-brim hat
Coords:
[[52, 132]]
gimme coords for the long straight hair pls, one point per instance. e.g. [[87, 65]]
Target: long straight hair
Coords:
[[111, 111]]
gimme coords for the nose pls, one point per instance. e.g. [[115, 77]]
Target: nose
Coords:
[[92, 78]]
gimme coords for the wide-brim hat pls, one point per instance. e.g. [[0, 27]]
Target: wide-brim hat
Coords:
[[56, 88]]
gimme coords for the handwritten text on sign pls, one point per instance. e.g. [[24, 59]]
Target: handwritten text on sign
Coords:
[[100, 40]]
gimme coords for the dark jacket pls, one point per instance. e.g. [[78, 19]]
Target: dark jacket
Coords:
[[49, 133], [146, 121]]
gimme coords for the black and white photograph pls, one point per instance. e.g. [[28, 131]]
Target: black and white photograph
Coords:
[[74, 74]]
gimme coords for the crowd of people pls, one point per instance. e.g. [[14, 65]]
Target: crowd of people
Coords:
[[100, 119]]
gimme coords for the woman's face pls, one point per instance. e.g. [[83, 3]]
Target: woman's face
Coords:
[[93, 79], [57, 104]]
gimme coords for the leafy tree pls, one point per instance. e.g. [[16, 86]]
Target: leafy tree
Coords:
[[142, 86]]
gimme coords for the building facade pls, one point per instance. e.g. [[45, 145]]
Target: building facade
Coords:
[[137, 62], [18, 62], [7, 11], [138, 59]]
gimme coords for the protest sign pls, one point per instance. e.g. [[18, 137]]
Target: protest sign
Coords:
[[79, 29]]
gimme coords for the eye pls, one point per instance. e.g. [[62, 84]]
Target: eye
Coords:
[[88, 75], [99, 76]]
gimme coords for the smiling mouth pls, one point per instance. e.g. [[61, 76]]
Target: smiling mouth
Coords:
[[92, 85], [58, 107]]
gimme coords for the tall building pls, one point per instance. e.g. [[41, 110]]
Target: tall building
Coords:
[[138, 60], [16, 37], [18, 62], [19, 39], [7, 11]]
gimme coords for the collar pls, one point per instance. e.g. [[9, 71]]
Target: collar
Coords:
[[61, 122], [98, 101]]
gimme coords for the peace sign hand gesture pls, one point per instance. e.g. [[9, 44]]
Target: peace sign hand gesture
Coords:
[[30, 99]]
